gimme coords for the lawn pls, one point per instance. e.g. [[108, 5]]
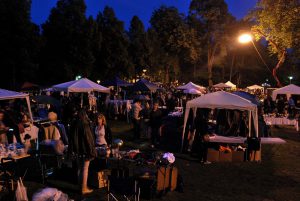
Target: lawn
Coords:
[[276, 178]]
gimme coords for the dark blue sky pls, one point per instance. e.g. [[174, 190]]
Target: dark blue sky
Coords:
[[126, 9]]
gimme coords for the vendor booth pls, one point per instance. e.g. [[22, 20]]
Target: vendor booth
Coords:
[[233, 86], [190, 86], [222, 86], [287, 90], [9, 95], [225, 100]]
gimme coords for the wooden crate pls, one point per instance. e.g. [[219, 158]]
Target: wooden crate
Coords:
[[225, 157], [212, 155], [238, 156]]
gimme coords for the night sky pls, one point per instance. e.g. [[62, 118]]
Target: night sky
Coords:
[[126, 9]]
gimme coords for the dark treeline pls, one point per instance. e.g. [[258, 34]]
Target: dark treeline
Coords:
[[200, 46]]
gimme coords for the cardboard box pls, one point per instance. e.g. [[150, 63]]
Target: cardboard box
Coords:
[[99, 179], [212, 155], [254, 156], [238, 156], [225, 157]]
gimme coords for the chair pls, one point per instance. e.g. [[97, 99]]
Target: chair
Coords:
[[122, 187]]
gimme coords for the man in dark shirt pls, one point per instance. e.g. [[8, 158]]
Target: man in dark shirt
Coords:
[[155, 123]]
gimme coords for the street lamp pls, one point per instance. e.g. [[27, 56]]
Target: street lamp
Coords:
[[290, 78], [245, 38], [78, 77], [98, 81]]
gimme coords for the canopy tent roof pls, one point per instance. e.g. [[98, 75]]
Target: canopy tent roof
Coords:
[[192, 91], [144, 85], [221, 100], [191, 85], [248, 96], [254, 87], [116, 81], [288, 90], [83, 85], [8, 95], [230, 84], [221, 86]]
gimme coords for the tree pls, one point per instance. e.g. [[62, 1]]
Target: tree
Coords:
[[278, 23], [113, 58], [173, 35], [215, 17], [19, 43], [138, 48], [67, 35]]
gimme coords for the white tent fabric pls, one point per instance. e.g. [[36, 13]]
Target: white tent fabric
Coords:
[[8, 95], [254, 87], [221, 85], [231, 84], [192, 91], [83, 85], [222, 100], [191, 85], [288, 90]]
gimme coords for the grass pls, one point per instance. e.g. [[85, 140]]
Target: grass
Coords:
[[276, 178]]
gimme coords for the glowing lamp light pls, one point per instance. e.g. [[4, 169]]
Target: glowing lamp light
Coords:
[[98, 81], [78, 77], [245, 38]]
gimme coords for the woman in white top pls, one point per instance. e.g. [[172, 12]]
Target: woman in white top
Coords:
[[103, 134]]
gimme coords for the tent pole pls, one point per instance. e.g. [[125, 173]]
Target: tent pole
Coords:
[[29, 108], [249, 134], [186, 115], [81, 101]]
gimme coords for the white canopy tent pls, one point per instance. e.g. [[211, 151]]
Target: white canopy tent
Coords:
[[255, 87], [287, 90], [83, 85], [222, 100], [191, 85], [9, 95], [221, 86], [233, 86], [192, 91]]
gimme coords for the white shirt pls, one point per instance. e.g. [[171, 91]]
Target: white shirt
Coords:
[[100, 135]]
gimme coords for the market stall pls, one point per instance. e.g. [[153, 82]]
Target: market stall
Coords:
[[9, 95], [287, 90], [191, 85]]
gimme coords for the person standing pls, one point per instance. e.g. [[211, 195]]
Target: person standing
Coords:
[[155, 123], [136, 119], [82, 145], [200, 144], [103, 134]]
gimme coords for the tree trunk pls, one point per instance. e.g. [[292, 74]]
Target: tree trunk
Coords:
[[167, 76], [280, 62]]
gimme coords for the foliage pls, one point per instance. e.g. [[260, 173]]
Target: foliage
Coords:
[[214, 17], [113, 58], [278, 23], [67, 42], [19, 42]]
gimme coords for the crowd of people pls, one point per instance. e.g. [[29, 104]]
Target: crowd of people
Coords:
[[84, 129]]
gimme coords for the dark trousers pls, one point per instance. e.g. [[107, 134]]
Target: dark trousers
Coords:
[[154, 135], [136, 128], [11, 134], [203, 148]]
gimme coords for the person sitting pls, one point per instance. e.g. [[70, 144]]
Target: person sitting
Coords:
[[103, 135], [3, 129]]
